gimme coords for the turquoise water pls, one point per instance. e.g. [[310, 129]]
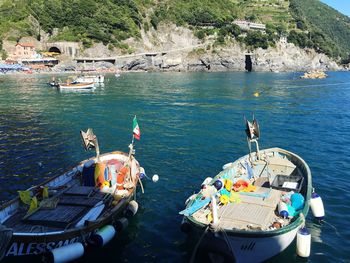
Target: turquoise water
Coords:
[[191, 124]]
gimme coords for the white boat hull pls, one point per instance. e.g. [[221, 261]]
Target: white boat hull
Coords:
[[238, 248], [260, 249], [76, 86]]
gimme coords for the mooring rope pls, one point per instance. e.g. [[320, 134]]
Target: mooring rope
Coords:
[[197, 245]]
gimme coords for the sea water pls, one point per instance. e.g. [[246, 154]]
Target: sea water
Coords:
[[191, 124]]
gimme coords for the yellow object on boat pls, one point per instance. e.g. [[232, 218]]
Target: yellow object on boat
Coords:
[[45, 192], [249, 188], [210, 217], [100, 174], [33, 205], [234, 198], [25, 196], [224, 199], [228, 184]]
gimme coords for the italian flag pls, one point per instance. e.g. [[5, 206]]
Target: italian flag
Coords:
[[136, 129]]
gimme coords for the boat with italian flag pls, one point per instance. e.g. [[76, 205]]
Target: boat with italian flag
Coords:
[[82, 209], [253, 209]]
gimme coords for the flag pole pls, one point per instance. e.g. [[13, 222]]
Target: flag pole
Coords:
[[131, 146]]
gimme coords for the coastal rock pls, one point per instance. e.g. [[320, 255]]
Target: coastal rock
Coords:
[[138, 64], [174, 48]]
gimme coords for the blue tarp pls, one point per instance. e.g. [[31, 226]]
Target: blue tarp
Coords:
[[11, 67]]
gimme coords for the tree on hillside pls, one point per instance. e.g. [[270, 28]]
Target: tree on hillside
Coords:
[[256, 39]]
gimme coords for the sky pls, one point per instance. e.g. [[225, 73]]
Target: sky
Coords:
[[343, 6]]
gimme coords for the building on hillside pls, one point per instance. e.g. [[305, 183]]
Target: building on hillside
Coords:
[[25, 51], [26, 54], [247, 25]]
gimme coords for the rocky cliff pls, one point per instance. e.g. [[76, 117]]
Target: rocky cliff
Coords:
[[172, 48]]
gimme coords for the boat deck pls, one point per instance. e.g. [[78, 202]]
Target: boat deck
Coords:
[[69, 206], [255, 210]]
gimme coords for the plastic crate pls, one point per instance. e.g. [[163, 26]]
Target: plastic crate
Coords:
[[288, 183]]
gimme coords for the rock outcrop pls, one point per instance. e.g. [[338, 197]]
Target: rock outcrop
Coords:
[[172, 48]]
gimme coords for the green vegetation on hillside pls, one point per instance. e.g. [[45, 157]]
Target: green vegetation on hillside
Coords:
[[321, 27], [306, 23]]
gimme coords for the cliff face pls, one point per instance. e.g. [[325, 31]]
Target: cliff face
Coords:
[[172, 48]]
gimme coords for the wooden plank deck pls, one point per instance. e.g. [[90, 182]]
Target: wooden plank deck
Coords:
[[252, 211], [79, 200], [60, 217]]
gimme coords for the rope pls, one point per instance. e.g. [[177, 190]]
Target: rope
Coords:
[[335, 229], [197, 245], [143, 191], [303, 219], [227, 241]]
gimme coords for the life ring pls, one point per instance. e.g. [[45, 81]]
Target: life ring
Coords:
[[121, 177]]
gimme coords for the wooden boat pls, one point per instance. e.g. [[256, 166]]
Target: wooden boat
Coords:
[[314, 75], [76, 86], [253, 209], [81, 209]]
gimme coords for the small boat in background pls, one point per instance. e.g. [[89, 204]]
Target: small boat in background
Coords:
[[316, 74], [76, 86], [90, 78], [54, 84], [252, 210], [81, 209]]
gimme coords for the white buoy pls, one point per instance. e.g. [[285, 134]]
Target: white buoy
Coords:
[[214, 211], [131, 209], [317, 206], [66, 253], [155, 178], [103, 235], [142, 173], [303, 242], [283, 210]]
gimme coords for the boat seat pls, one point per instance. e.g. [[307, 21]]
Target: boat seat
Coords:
[[62, 216]]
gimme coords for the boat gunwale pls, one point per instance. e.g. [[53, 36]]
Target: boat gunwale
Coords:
[[266, 233]]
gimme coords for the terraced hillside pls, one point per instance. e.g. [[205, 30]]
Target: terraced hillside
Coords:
[[307, 23]]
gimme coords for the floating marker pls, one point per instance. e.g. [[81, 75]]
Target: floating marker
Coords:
[[103, 235], [317, 206], [131, 209], [303, 242], [142, 173], [65, 253], [155, 178]]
